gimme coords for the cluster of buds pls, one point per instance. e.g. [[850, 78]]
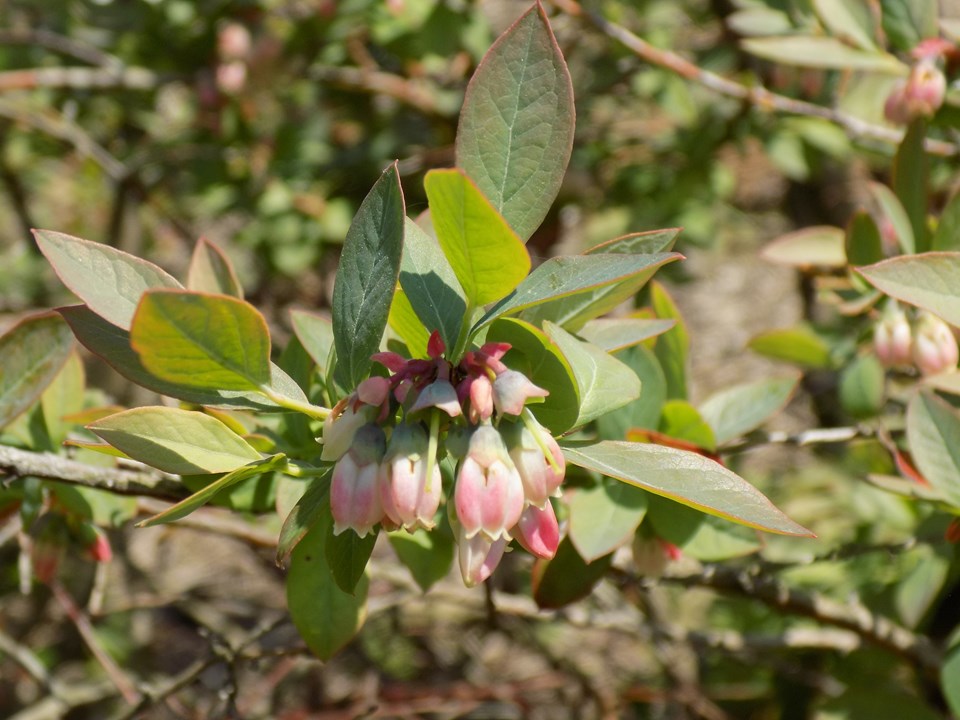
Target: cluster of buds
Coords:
[[923, 91], [389, 436], [233, 50], [930, 344]]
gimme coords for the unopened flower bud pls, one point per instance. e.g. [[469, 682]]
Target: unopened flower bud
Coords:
[[478, 556], [355, 488], [481, 399], [233, 42], [892, 338], [231, 77], [512, 390], [339, 430], [921, 95], [410, 499], [934, 346], [489, 492], [541, 478], [94, 541], [538, 531]]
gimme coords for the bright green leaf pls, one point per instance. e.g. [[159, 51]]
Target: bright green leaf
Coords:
[[108, 280], [673, 347], [742, 408], [176, 441], [404, 321], [681, 420], [486, 255], [367, 276], [516, 126], [63, 397], [686, 477], [798, 345]]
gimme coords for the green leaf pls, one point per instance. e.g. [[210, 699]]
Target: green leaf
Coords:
[[177, 441], [950, 679], [32, 353], [305, 515], [604, 383], [427, 555], [590, 284], [604, 517], [863, 244], [404, 321], [641, 243], [211, 271], [686, 477], [742, 408], [673, 347], [516, 127], [894, 213], [818, 246], [679, 419], [644, 412], [922, 583], [63, 396], [822, 52], [326, 617], [910, 182], [315, 333], [202, 497], [798, 345], [704, 537], [759, 21], [431, 285], [347, 556], [567, 577], [112, 344], [933, 434], [930, 281], [200, 340], [101, 507], [486, 255], [848, 20], [947, 235], [367, 276], [540, 359], [615, 334], [108, 280], [862, 387], [907, 22]]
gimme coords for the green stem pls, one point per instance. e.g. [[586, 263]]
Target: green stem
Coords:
[[463, 337], [314, 411], [537, 430], [432, 448], [297, 469]]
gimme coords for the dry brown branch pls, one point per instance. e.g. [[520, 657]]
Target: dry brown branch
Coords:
[[414, 93]]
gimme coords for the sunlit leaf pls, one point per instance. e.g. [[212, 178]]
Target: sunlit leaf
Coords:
[[739, 409], [930, 281], [819, 246]]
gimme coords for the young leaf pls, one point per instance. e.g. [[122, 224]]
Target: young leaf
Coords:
[[62, 398], [202, 497], [819, 246], [516, 126], [431, 285], [862, 386], [910, 180], [200, 340], [108, 280], [597, 283], [539, 358], [742, 408], [31, 354], [567, 577], [604, 383], [176, 441], [863, 244], [211, 271], [315, 333], [798, 345], [486, 255], [893, 212], [615, 334], [673, 346], [112, 344], [681, 420], [427, 555], [404, 322], [930, 281], [644, 412], [367, 276], [308, 511], [325, 615], [347, 556], [604, 517], [686, 477], [933, 434], [822, 52], [848, 21]]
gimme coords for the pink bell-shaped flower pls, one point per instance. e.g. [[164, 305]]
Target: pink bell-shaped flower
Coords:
[[538, 531], [339, 430], [541, 478], [478, 556], [934, 345], [410, 498], [355, 488], [489, 492], [439, 394], [512, 390]]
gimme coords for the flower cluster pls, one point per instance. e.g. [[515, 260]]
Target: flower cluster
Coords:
[[930, 344], [388, 439], [922, 93]]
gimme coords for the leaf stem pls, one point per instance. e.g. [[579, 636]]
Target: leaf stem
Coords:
[[315, 411], [463, 337], [297, 469]]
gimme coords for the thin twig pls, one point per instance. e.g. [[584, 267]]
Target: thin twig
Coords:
[[46, 466], [79, 78], [25, 658], [756, 95], [60, 44], [814, 436], [416, 94]]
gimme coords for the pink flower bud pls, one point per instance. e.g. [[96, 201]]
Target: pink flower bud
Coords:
[[339, 430], [934, 346], [541, 479], [233, 42], [892, 338], [481, 399], [409, 498], [512, 389], [478, 556], [921, 95], [95, 543], [489, 492], [538, 531], [231, 77], [354, 489]]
